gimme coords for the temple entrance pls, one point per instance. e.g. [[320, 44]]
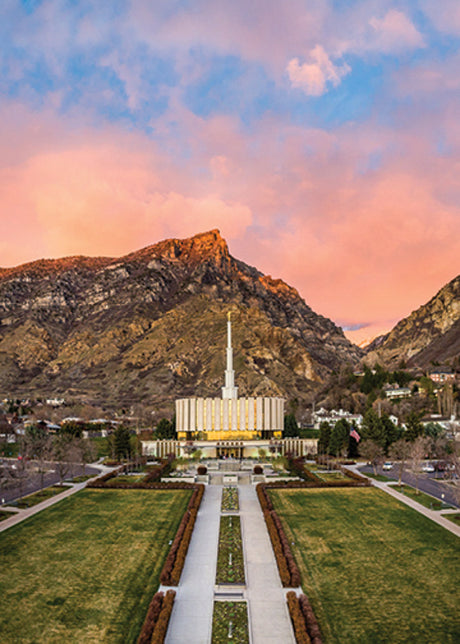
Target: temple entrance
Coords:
[[230, 450]]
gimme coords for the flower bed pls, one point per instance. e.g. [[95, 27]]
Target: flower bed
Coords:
[[157, 618], [117, 479], [172, 569], [230, 501], [230, 561], [230, 623]]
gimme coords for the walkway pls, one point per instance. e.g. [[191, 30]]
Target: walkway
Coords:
[[434, 515], [19, 515], [268, 613], [191, 619]]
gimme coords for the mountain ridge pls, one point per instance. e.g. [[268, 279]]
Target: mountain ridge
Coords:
[[152, 324]]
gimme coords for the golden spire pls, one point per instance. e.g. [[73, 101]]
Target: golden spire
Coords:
[[229, 316]]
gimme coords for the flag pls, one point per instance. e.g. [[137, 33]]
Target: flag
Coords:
[[354, 434]]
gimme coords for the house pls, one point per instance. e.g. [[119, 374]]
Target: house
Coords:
[[394, 392], [331, 417], [441, 375]]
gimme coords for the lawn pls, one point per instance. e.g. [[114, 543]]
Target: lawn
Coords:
[[424, 499], [375, 570], [38, 497], [86, 569]]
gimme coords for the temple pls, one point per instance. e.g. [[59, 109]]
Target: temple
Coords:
[[229, 426], [231, 417]]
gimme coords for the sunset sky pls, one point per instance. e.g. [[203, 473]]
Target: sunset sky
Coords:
[[321, 137]]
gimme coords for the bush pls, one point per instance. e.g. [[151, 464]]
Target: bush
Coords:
[[172, 569], [298, 621], [288, 569], [157, 618], [202, 470], [258, 469]]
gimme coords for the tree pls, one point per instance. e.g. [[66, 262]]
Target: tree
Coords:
[[165, 430], [400, 451], [339, 437], [40, 448], [122, 443], [418, 449], [373, 452], [414, 427], [291, 429], [61, 454], [324, 438]]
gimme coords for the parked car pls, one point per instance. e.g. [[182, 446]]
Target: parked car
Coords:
[[427, 467], [387, 465]]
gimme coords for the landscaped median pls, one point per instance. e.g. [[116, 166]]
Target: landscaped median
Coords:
[[230, 559], [87, 568], [230, 623]]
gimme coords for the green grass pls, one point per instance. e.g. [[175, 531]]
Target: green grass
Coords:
[[86, 569], [375, 571], [223, 614], [424, 499], [378, 477], [455, 518], [6, 515], [38, 497]]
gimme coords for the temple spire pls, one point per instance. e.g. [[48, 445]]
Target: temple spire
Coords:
[[229, 390]]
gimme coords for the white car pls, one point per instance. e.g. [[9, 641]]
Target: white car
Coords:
[[427, 467], [387, 466]]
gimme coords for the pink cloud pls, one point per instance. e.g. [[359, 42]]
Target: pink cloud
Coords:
[[394, 33], [444, 15], [314, 77], [361, 243]]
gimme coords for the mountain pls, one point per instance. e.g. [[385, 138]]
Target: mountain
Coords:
[[151, 326], [430, 334]]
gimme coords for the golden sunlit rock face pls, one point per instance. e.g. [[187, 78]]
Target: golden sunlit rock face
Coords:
[[151, 326]]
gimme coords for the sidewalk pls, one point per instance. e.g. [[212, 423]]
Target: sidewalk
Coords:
[[191, 618], [269, 620], [434, 515], [19, 515]]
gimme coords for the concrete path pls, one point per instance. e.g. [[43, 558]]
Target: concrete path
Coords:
[[434, 515], [191, 619], [269, 619], [20, 515]]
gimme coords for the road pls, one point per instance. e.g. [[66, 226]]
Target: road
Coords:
[[33, 481], [429, 483]]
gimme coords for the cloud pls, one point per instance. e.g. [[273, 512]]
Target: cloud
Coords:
[[445, 15], [316, 77], [394, 33]]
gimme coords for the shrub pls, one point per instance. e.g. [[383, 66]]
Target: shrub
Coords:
[[310, 620], [161, 626], [153, 612], [298, 621], [258, 469], [172, 568], [202, 470]]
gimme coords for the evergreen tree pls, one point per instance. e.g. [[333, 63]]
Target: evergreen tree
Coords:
[[291, 429], [339, 440], [324, 438], [122, 442]]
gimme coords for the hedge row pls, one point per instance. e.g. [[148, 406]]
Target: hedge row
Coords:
[[150, 481], [288, 569], [174, 563], [157, 619], [296, 467], [303, 618], [354, 475], [298, 622]]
